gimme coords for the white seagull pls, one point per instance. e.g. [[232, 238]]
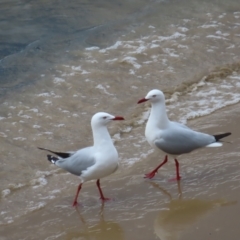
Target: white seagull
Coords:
[[173, 138], [95, 162]]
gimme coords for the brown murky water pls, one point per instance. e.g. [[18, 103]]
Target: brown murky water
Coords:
[[63, 61]]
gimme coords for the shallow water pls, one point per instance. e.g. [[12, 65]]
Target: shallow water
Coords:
[[62, 62]]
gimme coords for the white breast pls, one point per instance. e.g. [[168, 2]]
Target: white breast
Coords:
[[151, 134]]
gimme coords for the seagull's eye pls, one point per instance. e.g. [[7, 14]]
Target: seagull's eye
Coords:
[[105, 117], [154, 95]]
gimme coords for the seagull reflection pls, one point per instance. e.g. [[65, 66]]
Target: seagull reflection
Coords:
[[101, 231], [181, 213]]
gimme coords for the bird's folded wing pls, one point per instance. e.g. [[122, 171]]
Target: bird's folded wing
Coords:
[[78, 162], [178, 141], [180, 125]]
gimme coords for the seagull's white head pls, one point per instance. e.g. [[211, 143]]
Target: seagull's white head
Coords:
[[153, 96], [102, 119]]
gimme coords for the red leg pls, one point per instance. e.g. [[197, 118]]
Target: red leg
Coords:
[[177, 170], [75, 199], [100, 191], [152, 174]]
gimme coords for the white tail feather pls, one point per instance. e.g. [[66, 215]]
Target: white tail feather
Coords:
[[216, 144]]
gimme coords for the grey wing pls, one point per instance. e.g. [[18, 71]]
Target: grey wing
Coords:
[[180, 125], [178, 141], [78, 162]]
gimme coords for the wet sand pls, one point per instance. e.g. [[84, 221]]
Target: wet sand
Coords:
[[204, 205]]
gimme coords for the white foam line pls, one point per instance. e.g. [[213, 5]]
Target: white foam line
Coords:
[[139, 50], [44, 95], [58, 80], [183, 29], [115, 46], [2, 134], [57, 236], [209, 26], [111, 60], [26, 116], [91, 48], [19, 138], [47, 102], [235, 77], [85, 72], [77, 68], [5, 192], [174, 36], [216, 37], [131, 60], [100, 86], [59, 125], [153, 45], [33, 110], [170, 52], [37, 206], [222, 34]]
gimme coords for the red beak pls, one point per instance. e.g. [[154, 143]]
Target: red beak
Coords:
[[142, 100], [118, 118]]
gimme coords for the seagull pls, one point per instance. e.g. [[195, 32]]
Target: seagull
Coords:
[[173, 138], [94, 162]]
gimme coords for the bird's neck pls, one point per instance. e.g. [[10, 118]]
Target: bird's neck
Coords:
[[101, 136], [158, 116]]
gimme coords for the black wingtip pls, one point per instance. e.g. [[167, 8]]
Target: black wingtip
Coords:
[[41, 148], [52, 159], [220, 136], [60, 154]]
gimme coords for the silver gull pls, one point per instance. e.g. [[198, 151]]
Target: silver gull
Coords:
[[173, 138], [94, 162]]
